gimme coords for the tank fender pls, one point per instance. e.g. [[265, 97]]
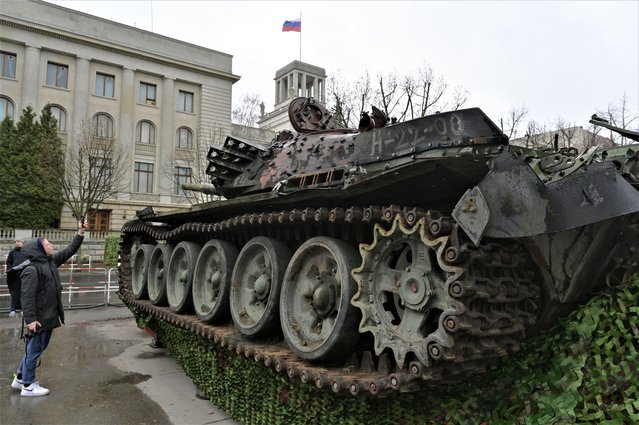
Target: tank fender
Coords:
[[512, 202]]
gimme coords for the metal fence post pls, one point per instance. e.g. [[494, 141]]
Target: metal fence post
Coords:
[[109, 285], [106, 287], [70, 282]]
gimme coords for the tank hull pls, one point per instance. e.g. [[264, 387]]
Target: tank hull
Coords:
[[392, 259]]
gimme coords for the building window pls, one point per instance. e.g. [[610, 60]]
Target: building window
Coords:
[[182, 175], [99, 220], [8, 65], [145, 133], [104, 84], [143, 177], [102, 126], [100, 171], [147, 94], [57, 75], [6, 108], [185, 101], [61, 117], [184, 138]]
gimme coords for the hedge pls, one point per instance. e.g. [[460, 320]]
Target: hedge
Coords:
[[583, 370]]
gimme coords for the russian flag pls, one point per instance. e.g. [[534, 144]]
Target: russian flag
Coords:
[[294, 25]]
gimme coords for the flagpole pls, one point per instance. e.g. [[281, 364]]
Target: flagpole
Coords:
[[300, 37]]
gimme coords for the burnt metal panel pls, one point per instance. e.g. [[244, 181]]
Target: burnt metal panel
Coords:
[[520, 205], [340, 148]]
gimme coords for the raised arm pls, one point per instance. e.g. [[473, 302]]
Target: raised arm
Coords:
[[64, 254]]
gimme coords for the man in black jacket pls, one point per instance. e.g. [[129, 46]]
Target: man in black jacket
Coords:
[[41, 305], [15, 263]]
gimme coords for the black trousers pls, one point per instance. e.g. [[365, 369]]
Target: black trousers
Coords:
[[15, 288]]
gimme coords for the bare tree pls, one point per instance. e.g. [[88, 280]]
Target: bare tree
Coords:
[[592, 136], [620, 115], [96, 166], [513, 120], [459, 98], [429, 92], [362, 96], [349, 100], [401, 97], [248, 110], [568, 133], [390, 94], [537, 136], [339, 96]]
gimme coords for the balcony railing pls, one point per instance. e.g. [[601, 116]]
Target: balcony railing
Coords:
[[56, 234]]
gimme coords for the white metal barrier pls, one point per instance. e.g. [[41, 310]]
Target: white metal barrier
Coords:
[[105, 286], [75, 285], [70, 264]]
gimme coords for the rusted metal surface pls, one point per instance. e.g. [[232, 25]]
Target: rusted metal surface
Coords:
[[307, 115], [344, 151]]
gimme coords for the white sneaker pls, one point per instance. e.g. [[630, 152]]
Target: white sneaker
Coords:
[[16, 384], [33, 390], [12, 314]]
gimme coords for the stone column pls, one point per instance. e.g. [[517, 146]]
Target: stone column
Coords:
[[287, 87], [164, 153], [315, 89], [80, 97], [296, 83], [127, 96], [304, 87], [31, 79]]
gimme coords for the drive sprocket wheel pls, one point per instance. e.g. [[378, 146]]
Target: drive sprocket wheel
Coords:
[[403, 291]]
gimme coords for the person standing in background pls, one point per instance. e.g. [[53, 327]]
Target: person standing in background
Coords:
[[15, 264]]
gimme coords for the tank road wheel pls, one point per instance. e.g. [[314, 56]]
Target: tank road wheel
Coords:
[[212, 280], [139, 270], [157, 276], [135, 245], [178, 285], [318, 320], [255, 286], [402, 291]]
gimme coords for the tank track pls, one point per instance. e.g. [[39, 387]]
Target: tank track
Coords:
[[491, 291]]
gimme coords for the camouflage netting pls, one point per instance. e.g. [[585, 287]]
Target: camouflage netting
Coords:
[[584, 370]]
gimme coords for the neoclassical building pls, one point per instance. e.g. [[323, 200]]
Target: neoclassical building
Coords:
[[155, 95]]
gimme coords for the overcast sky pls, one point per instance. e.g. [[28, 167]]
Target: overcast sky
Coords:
[[558, 59]]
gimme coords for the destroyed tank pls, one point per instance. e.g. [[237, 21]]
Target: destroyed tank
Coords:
[[389, 257]]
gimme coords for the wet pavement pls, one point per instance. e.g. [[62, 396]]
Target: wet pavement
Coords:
[[101, 369]]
